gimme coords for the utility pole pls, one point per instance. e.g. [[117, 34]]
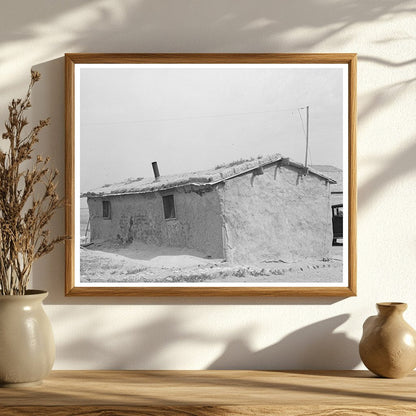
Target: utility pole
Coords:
[[307, 137]]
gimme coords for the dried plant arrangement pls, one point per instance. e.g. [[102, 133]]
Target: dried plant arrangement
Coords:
[[28, 198]]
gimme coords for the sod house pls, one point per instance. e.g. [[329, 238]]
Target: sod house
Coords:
[[266, 209]]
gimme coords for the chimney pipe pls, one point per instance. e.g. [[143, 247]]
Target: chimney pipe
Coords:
[[155, 170]]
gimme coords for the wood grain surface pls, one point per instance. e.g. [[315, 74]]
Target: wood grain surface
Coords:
[[202, 393]]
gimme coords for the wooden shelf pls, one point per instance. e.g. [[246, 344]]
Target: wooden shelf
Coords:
[[202, 393]]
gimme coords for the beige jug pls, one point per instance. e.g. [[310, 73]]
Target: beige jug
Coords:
[[388, 345]]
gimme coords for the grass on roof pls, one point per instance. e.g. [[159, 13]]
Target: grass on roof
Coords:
[[237, 162]]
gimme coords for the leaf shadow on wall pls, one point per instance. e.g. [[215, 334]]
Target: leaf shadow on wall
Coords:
[[393, 169], [189, 26], [313, 347], [144, 346], [151, 345]]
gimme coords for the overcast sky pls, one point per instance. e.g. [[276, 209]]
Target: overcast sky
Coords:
[[191, 119]]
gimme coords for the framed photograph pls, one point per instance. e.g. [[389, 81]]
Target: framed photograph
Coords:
[[211, 174]]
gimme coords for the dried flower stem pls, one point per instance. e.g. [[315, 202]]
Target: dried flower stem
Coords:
[[23, 217]]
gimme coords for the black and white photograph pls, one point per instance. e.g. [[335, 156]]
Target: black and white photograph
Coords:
[[212, 175]]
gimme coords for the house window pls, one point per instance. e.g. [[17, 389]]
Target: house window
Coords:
[[106, 209], [169, 206]]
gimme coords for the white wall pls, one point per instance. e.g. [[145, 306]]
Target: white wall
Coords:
[[198, 333]]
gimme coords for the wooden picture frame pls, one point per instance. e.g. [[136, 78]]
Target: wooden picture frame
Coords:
[[90, 124]]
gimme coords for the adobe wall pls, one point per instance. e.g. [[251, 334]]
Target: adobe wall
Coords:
[[337, 198], [141, 218], [278, 215]]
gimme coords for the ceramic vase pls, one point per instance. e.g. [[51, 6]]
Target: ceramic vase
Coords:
[[388, 345], [27, 347]]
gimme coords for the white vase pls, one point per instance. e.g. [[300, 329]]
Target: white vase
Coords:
[[27, 347]]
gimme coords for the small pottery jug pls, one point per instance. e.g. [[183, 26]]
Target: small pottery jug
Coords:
[[27, 347], [388, 344]]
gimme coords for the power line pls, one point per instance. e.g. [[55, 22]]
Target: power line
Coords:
[[191, 117]]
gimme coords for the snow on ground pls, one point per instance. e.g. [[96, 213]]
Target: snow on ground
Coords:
[[137, 262]]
